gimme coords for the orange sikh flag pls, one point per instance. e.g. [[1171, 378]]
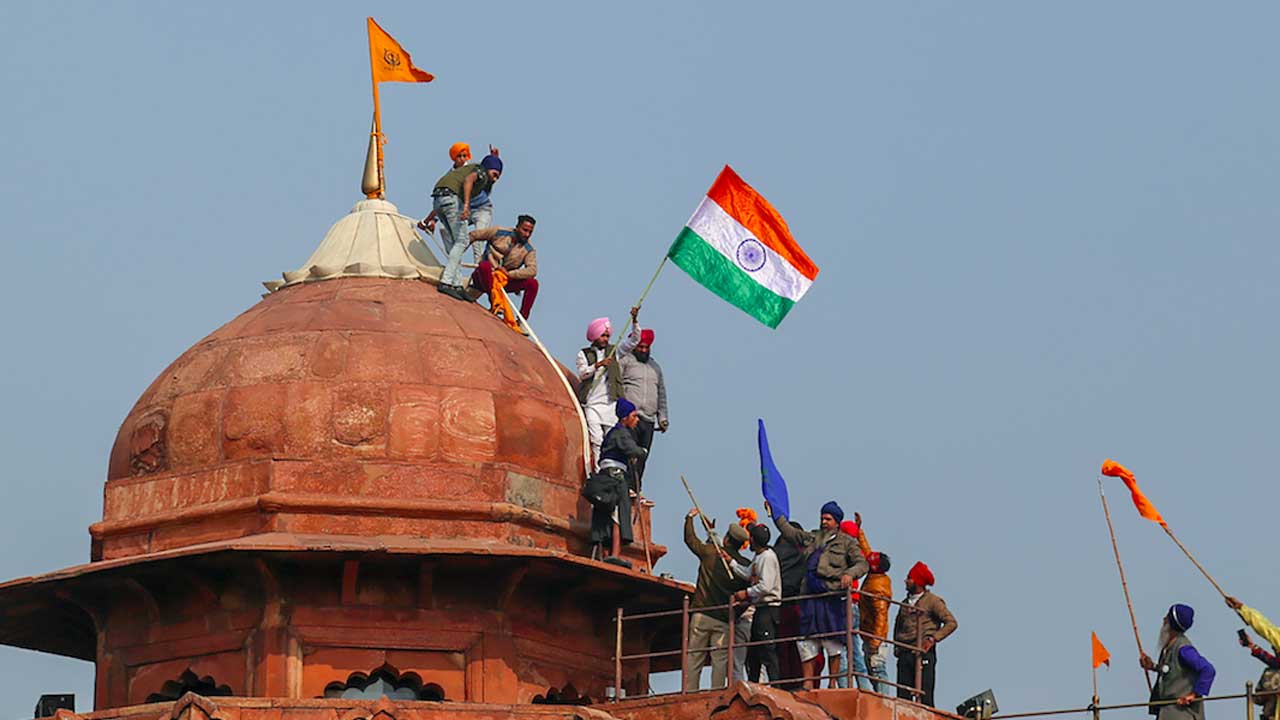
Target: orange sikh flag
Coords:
[[389, 61], [1140, 501], [1101, 656]]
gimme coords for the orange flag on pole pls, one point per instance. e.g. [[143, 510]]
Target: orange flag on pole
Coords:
[[1101, 656], [390, 62], [1140, 501]]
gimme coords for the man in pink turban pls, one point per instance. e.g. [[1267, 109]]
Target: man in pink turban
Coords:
[[599, 383]]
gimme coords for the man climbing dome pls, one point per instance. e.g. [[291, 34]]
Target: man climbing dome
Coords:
[[451, 204], [481, 204], [510, 261]]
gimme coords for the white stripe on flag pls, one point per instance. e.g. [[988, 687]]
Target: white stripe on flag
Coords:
[[758, 260]]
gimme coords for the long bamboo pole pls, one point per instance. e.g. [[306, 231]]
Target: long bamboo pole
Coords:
[[1193, 560], [706, 524], [1115, 547]]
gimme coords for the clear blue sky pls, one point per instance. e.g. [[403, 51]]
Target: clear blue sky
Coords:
[[1047, 234]]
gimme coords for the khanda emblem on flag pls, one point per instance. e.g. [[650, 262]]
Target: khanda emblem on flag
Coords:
[[391, 59]]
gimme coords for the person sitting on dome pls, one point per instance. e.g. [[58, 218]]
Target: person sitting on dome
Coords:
[[451, 203], [481, 204], [509, 255]]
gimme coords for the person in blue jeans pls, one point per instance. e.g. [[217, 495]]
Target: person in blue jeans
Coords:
[[451, 205], [481, 204], [850, 528]]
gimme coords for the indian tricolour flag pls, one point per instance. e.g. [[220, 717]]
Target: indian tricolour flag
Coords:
[[739, 248]]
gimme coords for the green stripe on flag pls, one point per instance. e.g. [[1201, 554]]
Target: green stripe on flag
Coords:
[[721, 276]]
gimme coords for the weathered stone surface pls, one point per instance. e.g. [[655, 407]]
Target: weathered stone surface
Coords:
[[360, 388], [360, 414], [196, 425], [252, 424]]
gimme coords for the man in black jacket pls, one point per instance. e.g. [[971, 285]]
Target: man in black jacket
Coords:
[[618, 454], [791, 562]]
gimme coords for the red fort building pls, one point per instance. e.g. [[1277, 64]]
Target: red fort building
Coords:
[[359, 500]]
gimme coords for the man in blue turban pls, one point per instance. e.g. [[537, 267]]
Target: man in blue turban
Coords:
[[833, 562], [1183, 676], [616, 479]]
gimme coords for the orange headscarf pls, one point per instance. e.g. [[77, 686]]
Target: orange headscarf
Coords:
[[457, 149], [746, 518]]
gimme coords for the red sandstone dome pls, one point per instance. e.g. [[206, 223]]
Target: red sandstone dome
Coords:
[[361, 406]]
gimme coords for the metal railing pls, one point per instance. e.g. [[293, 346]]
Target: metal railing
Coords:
[[1249, 695], [847, 673]]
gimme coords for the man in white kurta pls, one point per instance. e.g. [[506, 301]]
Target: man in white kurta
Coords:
[[597, 392]]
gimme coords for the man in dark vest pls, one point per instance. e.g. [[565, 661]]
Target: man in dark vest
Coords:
[[1183, 676]]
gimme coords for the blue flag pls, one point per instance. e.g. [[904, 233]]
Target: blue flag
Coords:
[[772, 485]]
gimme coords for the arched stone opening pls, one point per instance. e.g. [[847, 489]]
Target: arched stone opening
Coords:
[[385, 681], [568, 695], [187, 682]]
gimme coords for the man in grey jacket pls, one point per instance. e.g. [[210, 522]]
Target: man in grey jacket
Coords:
[[643, 385]]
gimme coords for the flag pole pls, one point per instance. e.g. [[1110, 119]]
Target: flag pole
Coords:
[[1095, 689], [613, 349], [377, 117], [1115, 547], [1193, 560], [706, 524]]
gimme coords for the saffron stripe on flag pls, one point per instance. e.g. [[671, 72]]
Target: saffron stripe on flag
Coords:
[[722, 232], [749, 208], [726, 279]]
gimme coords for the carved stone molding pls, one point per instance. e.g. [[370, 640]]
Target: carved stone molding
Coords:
[[192, 707], [748, 701]]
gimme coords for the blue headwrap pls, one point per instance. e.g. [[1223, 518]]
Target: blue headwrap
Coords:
[[1181, 616], [624, 408], [833, 509], [491, 162]]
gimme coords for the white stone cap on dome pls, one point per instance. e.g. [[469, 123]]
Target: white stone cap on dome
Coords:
[[373, 240]]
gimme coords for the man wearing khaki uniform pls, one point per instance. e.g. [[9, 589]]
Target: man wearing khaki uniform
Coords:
[[709, 630]]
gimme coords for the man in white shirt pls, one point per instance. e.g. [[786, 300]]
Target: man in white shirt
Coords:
[[765, 593], [599, 382]]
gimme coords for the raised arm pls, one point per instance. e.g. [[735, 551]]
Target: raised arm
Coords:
[[691, 539], [789, 532], [1260, 625]]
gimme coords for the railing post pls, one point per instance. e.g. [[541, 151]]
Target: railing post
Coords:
[[1248, 700], [919, 694], [684, 641], [848, 638], [728, 677], [617, 663]]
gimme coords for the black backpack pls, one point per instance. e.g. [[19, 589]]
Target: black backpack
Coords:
[[601, 490]]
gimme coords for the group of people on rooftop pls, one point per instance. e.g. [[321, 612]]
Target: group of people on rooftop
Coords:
[[795, 600], [789, 603]]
